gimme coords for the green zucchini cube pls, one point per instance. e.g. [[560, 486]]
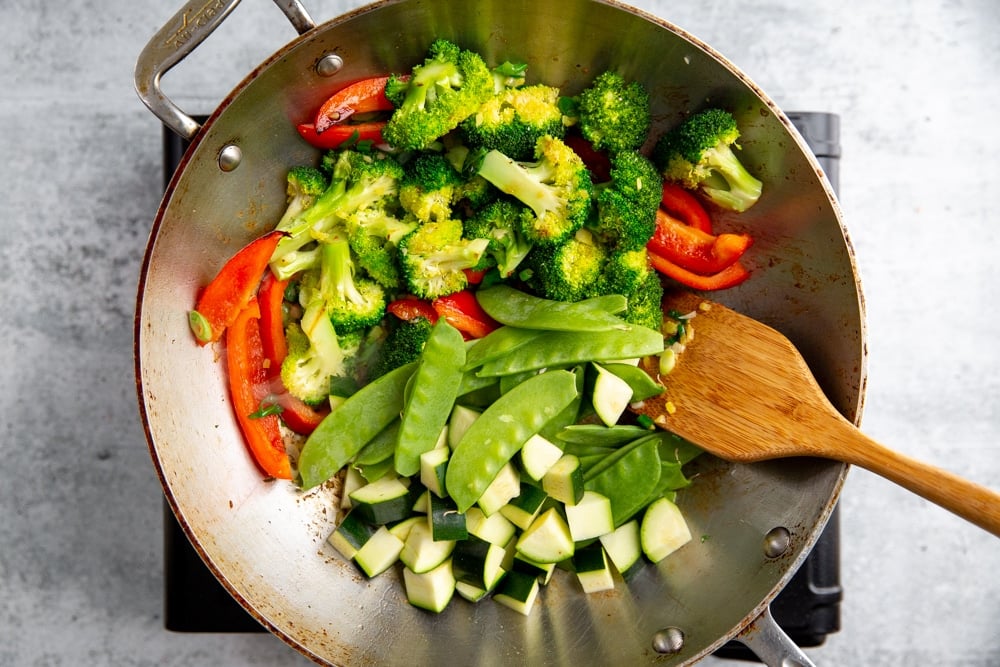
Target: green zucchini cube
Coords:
[[592, 569]]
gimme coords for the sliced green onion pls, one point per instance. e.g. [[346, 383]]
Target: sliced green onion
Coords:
[[200, 326]]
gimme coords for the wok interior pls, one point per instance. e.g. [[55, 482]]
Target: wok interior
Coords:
[[266, 540]]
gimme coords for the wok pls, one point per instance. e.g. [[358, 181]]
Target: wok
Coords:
[[265, 540]]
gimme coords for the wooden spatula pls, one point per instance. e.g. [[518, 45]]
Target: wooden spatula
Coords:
[[741, 391]]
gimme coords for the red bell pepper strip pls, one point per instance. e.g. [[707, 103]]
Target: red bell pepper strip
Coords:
[[693, 249], [364, 96], [248, 387], [337, 135], [462, 311], [685, 206], [223, 299], [410, 308], [271, 298], [732, 275], [297, 415], [597, 162], [474, 276]]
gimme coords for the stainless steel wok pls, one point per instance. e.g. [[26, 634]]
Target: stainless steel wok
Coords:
[[265, 541]]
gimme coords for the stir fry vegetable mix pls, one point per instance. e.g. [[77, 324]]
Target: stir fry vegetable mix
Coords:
[[451, 310]]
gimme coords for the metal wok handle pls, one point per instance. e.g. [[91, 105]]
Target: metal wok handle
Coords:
[[770, 643], [174, 41]]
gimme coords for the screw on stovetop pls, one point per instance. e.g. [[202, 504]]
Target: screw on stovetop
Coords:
[[329, 64], [777, 541], [668, 641]]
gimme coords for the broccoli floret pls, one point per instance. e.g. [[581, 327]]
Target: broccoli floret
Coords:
[[513, 120], [613, 114], [501, 222], [440, 93], [698, 153], [429, 187], [304, 185], [403, 344], [625, 271], [434, 257], [568, 271], [373, 236], [474, 191], [358, 181], [351, 303], [314, 356], [627, 204], [557, 188], [645, 306]]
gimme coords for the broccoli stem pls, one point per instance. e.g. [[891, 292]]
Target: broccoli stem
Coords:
[[337, 276], [743, 188], [521, 181]]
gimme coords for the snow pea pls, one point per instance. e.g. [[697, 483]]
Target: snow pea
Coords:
[[502, 429], [372, 472], [381, 447], [642, 384], [628, 477], [597, 434], [559, 349], [571, 413], [342, 434], [430, 397], [677, 450], [516, 308], [496, 344]]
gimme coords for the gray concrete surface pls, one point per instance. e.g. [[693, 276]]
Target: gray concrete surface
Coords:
[[915, 82]]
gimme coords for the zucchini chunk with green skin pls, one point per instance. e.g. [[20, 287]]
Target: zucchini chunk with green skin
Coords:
[[401, 529], [352, 534], [547, 539], [538, 455], [517, 591], [479, 563], [495, 528], [611, 396], [431, 590], [543, 571], [591, 517], [663, 530], [564, 480], [379, 553], [592, 570], [470, 592], [433, 464], [624, 549], [523, 509], [384, 501], [353, 480], [446, 522], [505, 486], [461, 419], [421, 552]]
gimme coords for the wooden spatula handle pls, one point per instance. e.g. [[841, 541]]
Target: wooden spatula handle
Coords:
[[967, 499]]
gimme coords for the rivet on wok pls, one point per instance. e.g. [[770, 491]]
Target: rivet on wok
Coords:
[[777, 541], [230, 157], [329, 64], [668, 641]]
